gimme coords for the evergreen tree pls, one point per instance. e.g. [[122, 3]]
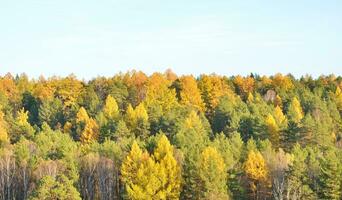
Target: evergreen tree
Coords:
[[213, 175], [331, 176]]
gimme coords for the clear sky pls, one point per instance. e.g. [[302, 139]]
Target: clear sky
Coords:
[[90, 38]]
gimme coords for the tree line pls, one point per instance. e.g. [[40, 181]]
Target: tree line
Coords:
[[163, 136]]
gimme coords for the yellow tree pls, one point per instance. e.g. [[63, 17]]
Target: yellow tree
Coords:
[[281, 82], [82, 115], [68, 90], [3, 129], [169, 174], [273, 130], [212, 88], [131, 165], [156, 177], [245, 85], [141, 113], [170, 75], [137, 120], [159, 94], [111, 109], [190, 94], [338, 97], [9, 88], [43, 89], [295, 111], [87, 128], [213, 175], [90, 132], [255, 169], [278, 101], [137, 82], [280, 117], [22, 126]]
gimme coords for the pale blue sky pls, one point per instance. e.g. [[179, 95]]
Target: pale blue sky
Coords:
[[91, 38]]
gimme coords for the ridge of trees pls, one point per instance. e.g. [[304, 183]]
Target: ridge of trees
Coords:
[[163, 136]]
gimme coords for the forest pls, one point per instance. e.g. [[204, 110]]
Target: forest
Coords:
[[163, 136]]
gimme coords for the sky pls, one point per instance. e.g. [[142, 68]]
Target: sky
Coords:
[[228, 37]]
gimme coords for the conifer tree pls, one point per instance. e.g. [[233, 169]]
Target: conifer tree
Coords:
[[331, 176], [273, 130], [190, 95], [255, 168], [4, 139], [213, 175], [295, 112], [111, 109]]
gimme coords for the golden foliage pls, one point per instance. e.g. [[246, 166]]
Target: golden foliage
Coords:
[[159, 94], [255, 166], [245, 85], [190, 94], [151, 177], [212, 88], [82, 115], [111, 109], [295, 111], [282, 82], [90, 132], [272, 129], [3, 129]]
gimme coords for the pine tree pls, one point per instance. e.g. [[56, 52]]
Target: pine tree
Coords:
[[297, 186], [213, 175], [21, 127], [330, 176], [55, 188], [191, 139]]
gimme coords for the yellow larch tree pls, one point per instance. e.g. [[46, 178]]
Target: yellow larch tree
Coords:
[[190, 94], [245, 85], [3, 129], [159, 94], [338, 97], [280, 117], [255, 169], [295, 111], [111, 109], [82, 115], [170, 173], [212, 89], [273, 130], [282, 82], [151, 177], [87, 128], [90, 132], [134, 116]]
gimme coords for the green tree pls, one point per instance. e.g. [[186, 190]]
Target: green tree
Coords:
[[331, 176], [213, 175], [55, 188]]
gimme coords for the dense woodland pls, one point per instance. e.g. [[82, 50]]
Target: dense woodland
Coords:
[[163, 136]]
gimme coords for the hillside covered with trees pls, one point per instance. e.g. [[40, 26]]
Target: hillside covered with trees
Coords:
[[163, 136]]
